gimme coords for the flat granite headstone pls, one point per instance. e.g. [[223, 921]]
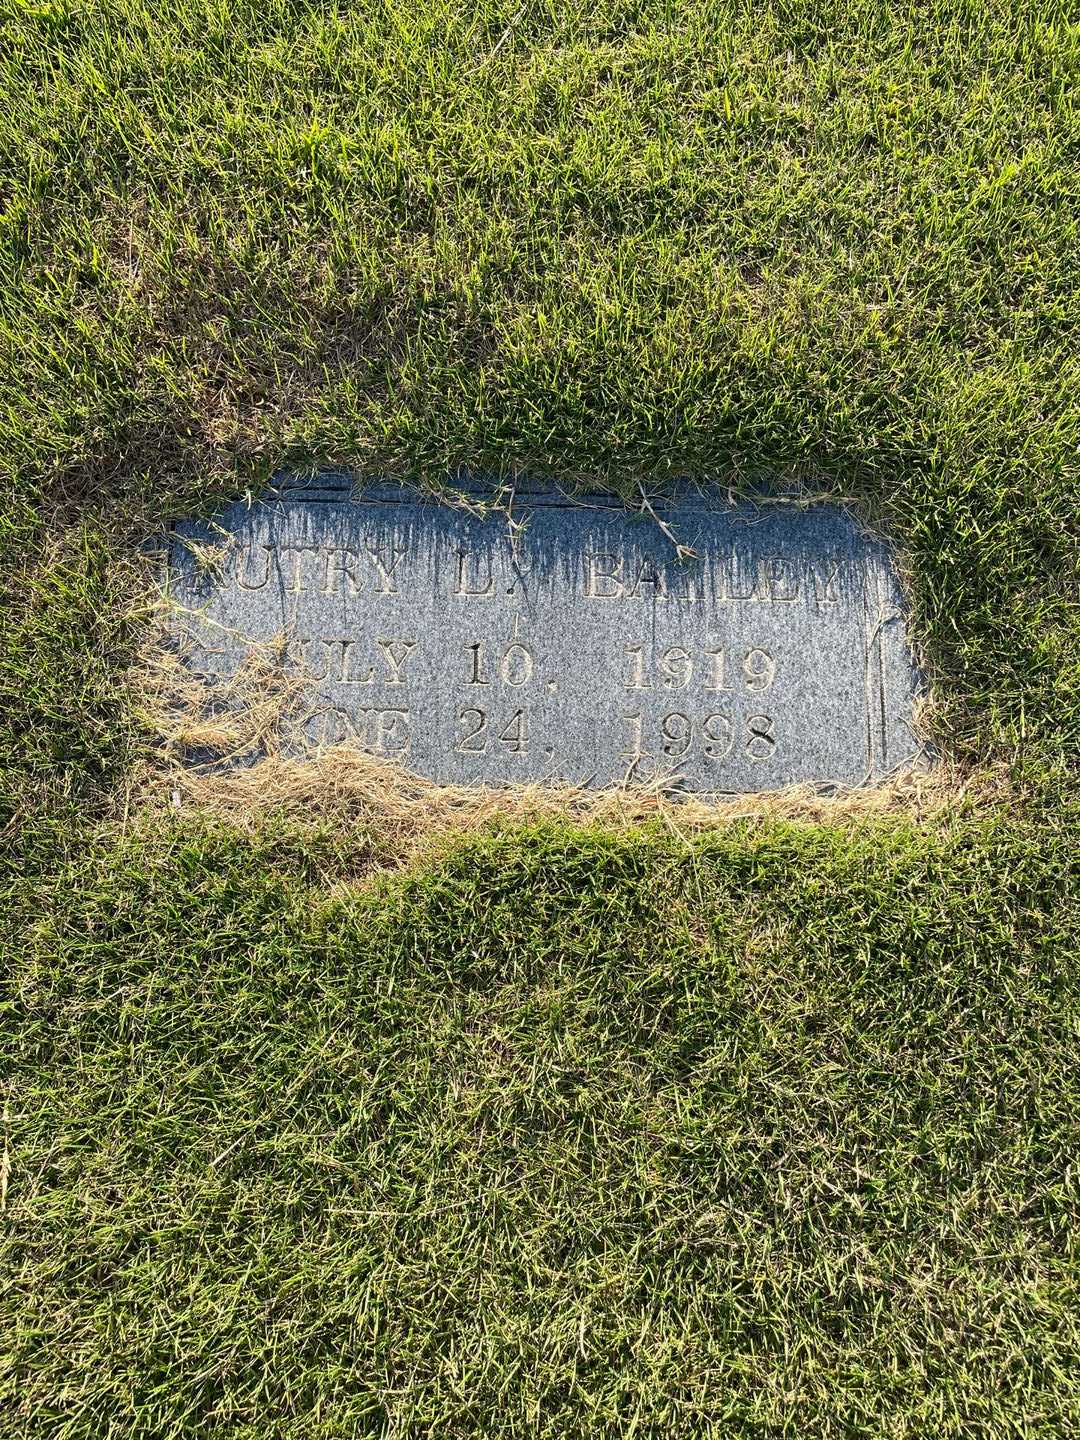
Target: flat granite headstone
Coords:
[[572, 642]]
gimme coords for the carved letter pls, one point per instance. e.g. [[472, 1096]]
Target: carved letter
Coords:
[[339, 726], [392, 731], [304, 647], [337, 565], [778, 579], [386, 572], [344, 678], [462, 586], [395, 663], [825, 582], [744, 572], [258, 584], [648, 574], [297, 578], [599, 568], [689, 585]]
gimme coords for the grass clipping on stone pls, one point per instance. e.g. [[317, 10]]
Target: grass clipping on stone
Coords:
[[234, 749]]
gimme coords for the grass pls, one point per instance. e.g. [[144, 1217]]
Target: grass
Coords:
[[562, 1133], [558, 1129]]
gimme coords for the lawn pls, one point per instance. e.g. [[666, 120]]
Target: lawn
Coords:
[[550, 1128]]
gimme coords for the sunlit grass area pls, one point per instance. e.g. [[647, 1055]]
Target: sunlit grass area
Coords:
[[764, 1129]]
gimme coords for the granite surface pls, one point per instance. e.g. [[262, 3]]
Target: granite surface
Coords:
[[570, 641]]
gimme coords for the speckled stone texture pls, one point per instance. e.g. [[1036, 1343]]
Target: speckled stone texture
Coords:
[[569, 642]]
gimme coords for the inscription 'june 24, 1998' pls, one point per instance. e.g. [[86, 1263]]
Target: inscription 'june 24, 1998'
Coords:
[[573, 642]]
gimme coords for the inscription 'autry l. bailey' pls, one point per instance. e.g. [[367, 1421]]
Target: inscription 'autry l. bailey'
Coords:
[[576, 644], [333, 570]]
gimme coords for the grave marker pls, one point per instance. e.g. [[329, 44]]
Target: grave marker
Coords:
[[572, 642]]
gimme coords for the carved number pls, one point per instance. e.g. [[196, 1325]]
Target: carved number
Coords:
[[474, 737], [677, 731], [514, 668], [515, 734], [716, 736], [465, 744], [676, 667], [719, 732], [759, 670], [762, 741]]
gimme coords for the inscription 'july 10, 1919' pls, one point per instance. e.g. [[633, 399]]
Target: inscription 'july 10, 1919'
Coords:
[[574, 643]]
